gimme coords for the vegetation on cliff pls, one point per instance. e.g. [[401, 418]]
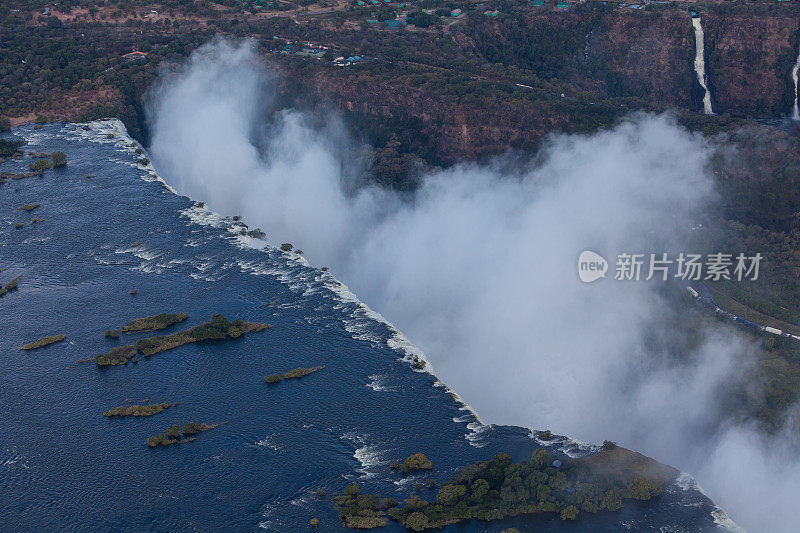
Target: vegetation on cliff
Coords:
[[498, 488], [139, 410], [43, 342]]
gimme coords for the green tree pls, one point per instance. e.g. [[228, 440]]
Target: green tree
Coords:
[[450, 494], [59, 159], [569, 513], [416, 521]]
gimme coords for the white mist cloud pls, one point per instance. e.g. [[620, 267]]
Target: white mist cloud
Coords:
[[479, 269]]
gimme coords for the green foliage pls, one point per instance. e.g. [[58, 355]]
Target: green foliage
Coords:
[[418, 461], [160, 440], [192, 428], [569, 512], [417, 521], [174, 436], [155, 322], [643, 489], [59, 159], [44, 342], [40, 165], [297, 373], [9, 147], [286, 247], [116, 356], [494, 489], [218, 328], [10, 286], [138, 410], [540, 458], [112, 333], [450, 494]]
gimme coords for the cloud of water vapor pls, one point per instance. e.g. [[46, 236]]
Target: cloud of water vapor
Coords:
[[479, 268]]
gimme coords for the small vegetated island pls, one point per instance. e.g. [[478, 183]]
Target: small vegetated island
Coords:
[[45, 341], [176, 434], [153, 323], [498, 488], [10, 286], [297, 373], [148, 323], [139, 410], [44, 161], [219, 328]]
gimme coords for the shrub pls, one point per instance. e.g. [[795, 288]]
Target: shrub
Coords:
[[174, 432], [643, 489], [193, 428], [9, 147], [450, 494], [569, 513], [418, 461], [286, 247], [540, 458], [320, 493], [112, 334], [40, 165], [59, 159], [28, 207], [417, 521], [116, 356], [272, 379]]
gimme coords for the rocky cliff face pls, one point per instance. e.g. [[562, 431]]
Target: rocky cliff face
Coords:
[[647, 55], [750, 60], [588, 66], [453, 128]]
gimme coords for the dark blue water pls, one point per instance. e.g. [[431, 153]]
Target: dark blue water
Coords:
[[65, 466]]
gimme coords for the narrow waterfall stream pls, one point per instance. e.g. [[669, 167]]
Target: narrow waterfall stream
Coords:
[[795, 114], [700, 64]]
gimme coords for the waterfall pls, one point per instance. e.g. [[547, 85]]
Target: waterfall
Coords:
[[700, 64], [795, 114]]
